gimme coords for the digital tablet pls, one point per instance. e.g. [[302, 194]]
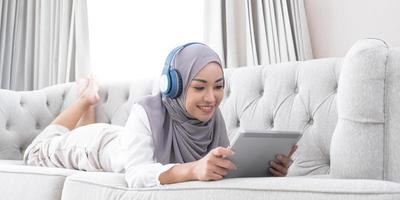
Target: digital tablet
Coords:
[[255, 149]]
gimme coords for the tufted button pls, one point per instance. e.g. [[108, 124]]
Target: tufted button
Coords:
[[238, 123], [47, 103], [296, 90], [37, 126], [106, 96], [63, 96], [228, 92], [21, 149], [7, 126], [311, 121], [261, 92], [272, 123], [127, 97], [21, 103], [335, 88]]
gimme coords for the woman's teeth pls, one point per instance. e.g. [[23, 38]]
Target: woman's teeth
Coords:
[[206, 108]]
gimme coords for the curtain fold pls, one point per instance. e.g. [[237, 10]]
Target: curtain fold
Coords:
[[39, 43], [257, 32]]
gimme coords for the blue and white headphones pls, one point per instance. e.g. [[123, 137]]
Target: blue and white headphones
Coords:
[[171, 80]]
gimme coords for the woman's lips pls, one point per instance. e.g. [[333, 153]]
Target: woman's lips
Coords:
[[206, 109]]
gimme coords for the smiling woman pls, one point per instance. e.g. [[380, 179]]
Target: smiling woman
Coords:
[[129, 39], [167, 138]]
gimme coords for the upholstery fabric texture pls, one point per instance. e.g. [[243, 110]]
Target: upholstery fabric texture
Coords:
[[297, 96], [365, 141]]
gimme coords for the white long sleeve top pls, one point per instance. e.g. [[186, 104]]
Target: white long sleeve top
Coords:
[[141, 169]]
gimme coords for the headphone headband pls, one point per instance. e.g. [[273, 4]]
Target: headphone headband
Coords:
[[174, 53]]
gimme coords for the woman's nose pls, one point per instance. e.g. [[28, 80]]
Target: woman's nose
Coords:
[[210, 96]]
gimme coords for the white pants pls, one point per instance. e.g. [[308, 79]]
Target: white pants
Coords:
[[92, 147]]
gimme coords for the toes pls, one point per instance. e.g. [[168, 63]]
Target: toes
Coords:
[[83, 83]]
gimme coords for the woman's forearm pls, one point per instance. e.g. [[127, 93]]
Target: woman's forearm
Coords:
[[178, 173]]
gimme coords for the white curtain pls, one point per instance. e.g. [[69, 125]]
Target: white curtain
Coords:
[[257, 32], [42, 42]]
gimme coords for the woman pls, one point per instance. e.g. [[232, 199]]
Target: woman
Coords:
[[177, 135]]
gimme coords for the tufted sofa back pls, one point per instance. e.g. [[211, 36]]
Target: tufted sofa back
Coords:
[[287, 96], [23, 115]]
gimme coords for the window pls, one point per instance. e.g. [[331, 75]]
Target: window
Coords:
[[131, 39]]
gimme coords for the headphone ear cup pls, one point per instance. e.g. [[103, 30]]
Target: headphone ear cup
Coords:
[[180, 84], [165, 83], [176, 84]]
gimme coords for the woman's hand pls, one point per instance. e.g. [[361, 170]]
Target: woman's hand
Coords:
[[213, 166], [280, 166]]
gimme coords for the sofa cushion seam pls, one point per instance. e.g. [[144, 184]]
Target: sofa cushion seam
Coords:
[[385, 125]]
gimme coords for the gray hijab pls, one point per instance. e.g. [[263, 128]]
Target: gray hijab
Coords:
[[177, 137]]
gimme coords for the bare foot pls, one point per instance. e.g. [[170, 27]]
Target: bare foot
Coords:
[[82, 85], [88, 91]]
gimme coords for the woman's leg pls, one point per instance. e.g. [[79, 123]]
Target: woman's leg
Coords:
[[89, 117], [82, 112], [56, 147]]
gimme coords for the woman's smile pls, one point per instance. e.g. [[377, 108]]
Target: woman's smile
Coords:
[[208, 109]]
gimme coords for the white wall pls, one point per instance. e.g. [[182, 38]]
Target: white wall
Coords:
[[130, 39], [336, 24]]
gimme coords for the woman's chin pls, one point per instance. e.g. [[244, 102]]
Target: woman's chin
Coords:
[[205, 117]]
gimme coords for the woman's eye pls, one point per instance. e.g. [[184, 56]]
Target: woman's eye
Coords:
[[219, 87], [198, 88]]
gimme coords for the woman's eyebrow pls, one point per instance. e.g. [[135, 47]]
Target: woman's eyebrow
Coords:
[[220, 79], [200, 80], [204, 81]]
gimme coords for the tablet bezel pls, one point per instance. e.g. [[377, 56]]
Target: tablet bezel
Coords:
[[264, 144]]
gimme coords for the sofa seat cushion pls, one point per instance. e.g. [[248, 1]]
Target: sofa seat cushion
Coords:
[[13, 162], [95, 185], [18, 181]]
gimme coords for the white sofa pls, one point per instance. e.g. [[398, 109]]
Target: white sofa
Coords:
[[288, 96]]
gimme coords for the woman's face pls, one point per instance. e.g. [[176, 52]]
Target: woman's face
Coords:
[[205, 92]]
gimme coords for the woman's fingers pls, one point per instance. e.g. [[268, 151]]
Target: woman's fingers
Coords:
[[214, 176], [292, 150], [226, 164], [220, 171], [214, 166], [278, 168], [285, 160], [275, 172], [222, 152]]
